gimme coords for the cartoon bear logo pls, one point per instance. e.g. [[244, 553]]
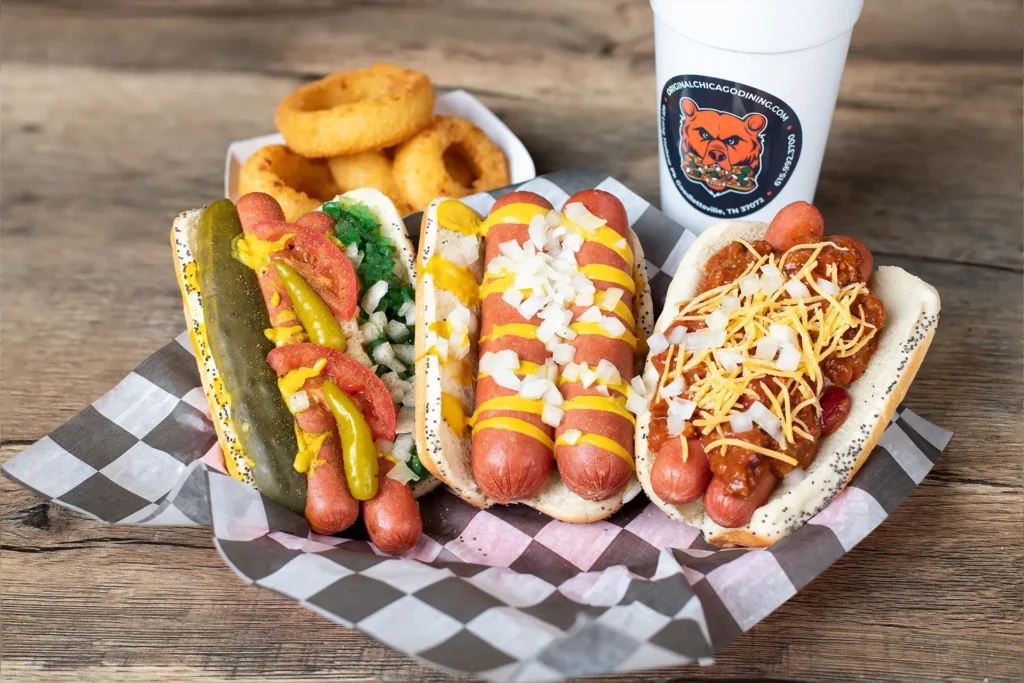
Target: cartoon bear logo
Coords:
[[720, 150]]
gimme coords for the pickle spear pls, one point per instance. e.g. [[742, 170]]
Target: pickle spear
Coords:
[[235, 320]]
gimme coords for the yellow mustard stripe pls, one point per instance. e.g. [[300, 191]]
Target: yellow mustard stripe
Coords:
[[608, 404], [455, 216], [458, 280], [524, 330], [596, 329], [604, 236], [454, 413], [495, 285], [513, 213], [534, 406], [515, 425], [602, 442], [617, 276]]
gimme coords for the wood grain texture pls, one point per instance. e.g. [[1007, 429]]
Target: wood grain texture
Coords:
[[116, 117]]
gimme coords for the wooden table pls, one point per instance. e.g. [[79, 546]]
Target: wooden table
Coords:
[[116, 116]]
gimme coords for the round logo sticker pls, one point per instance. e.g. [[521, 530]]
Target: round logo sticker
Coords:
[[730, 148]]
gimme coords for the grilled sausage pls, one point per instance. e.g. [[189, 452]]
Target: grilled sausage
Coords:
[[392, 516], [509, 465], [676, 480]]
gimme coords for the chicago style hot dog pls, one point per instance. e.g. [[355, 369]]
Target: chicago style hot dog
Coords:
[[774, 368], [528, 328], [301, 410]]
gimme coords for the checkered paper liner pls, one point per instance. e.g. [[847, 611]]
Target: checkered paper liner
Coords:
[[503, 594]]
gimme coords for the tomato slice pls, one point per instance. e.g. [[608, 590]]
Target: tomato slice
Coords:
[[318, 261], [355, 379]]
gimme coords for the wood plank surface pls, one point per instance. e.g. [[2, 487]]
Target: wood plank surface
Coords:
[[116, 116]]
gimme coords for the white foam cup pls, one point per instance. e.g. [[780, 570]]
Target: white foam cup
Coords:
[[746, 91]]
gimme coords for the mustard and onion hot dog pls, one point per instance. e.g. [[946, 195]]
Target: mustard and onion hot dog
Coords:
[[558, 305]]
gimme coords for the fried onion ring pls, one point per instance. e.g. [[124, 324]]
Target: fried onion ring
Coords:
[[424, 167], [298, 184], [367, 169], [356, 111]]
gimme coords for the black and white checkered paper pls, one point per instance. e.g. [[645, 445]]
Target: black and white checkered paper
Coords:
[[503, 594]]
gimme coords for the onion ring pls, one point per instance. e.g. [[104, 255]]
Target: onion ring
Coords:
[[367, 169], [420, 166], [356, 111], [298, 184]]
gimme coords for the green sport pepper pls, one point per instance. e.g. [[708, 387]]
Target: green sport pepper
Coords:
[[235, 319], [358, 452], [316, 318]]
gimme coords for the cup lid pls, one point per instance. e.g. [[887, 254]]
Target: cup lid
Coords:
[[760, 26]]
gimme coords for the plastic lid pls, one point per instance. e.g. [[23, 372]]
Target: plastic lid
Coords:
[[759, 25]]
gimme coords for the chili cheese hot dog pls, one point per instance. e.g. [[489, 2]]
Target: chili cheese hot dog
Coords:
[[554, 302], [774, 369], [300, 411]]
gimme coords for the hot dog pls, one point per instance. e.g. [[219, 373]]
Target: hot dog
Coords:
[[598, 469], [555, 301], [508, 464], [296, 411], [769, 358]]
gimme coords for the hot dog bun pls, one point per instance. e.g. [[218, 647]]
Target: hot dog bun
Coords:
[[912, 312], [445, 448]]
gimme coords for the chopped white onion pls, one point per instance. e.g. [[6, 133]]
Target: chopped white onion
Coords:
[[384, 446], [406, 353], [766, 348], [370, 331], [553, 396], [373, 296], [441, 346], [379, 319], [771, 281], [607, 372], [563, 353], [591, 315], [636, 403], [397, 331], [584, 300], [505, 378], [410, 312], [464, 251], [538, 231], [750, 284], [728, 359], [729, 304], [298, 402], [717, 320], [551, 415], [533, 386], [681, 407], [705, 339], [657, 343], [610, 298], [511, 249], [740, 422], [613, 326], [675, 425], [402, 450], [513, 297], [782, 333], [673, 388], [401, 473], [553, 219], [677, 335], [571, 372], [789, 358], [530, 307], [828, 287], [587, 376], [385, 355], [797, 289], [767, 421], [397, 386], [571, 436], [582, 217], [406, 420], [602, 389], [637, 383]]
